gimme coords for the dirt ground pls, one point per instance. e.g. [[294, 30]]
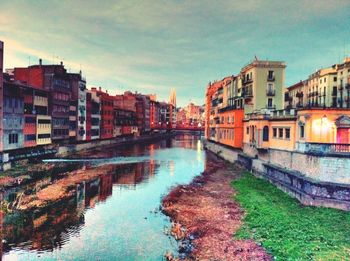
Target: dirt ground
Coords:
[[205, 216]]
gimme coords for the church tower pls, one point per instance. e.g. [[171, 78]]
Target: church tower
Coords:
[[173, 97]]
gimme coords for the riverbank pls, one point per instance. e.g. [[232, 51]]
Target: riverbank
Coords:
[[207, 215], [288, 230]]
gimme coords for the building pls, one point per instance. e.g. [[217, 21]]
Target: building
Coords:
[[172, 101], [13, 116], [78, 106], [261, 85], [93, 106], [142, 111], [322, 88], [1, 94], [343, 83], [154, 112], [295, 95], [107, 113], [125, 122], [88, 115], [225, 117], [54, 80], [190, 116]]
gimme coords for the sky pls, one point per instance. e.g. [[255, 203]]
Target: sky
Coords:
[[153, 46]]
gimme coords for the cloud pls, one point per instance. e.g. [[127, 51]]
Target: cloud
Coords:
[[151, 46]]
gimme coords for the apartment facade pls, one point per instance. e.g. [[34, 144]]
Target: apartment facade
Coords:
[[107, 113], [54, 80], [95, 116], [78, 106], [261, 85], [1, 94], [13, 116]]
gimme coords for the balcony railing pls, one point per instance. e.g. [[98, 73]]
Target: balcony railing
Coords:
[[270, 92], [270, 107], [324, 148], [300, 94], [247, 93]]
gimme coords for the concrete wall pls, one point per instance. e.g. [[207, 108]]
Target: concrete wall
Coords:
[[228, 154]]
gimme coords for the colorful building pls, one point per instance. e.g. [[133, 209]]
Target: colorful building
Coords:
[[78, 106], [94, 116], [124, 116], [53, 79], [107, 113], [1, 95], [13, 116]]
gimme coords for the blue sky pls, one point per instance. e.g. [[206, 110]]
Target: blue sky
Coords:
[[152, 46]]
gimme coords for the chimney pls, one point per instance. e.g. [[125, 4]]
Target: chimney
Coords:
[[100, 89], [61, 63], [40, 62]]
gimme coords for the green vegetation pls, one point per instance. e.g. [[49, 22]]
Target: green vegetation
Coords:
[[288, 230]]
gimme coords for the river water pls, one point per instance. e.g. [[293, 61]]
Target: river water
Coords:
[[113, 217]]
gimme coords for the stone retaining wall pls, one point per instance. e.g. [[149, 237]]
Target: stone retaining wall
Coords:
[[313, 180]]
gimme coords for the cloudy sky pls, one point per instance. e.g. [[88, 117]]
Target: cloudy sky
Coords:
[[152, 46]]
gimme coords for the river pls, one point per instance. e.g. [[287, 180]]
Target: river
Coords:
[[113, 217]]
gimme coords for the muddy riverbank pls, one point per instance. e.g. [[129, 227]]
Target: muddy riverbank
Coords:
[[206, 217]]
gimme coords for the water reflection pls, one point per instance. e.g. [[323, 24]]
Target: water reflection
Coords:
[[65, 229]]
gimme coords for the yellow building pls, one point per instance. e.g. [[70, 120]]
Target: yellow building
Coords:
[[295, 95], [321, 88], [261, 85], [43, 130], [269, 131], [343, 83]]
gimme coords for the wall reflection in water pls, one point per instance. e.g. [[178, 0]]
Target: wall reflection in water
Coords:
[[52, 227]]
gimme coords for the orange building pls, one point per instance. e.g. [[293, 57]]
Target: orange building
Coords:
[[224, 121]]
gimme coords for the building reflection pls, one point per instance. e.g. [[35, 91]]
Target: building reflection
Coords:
[[52, 227]]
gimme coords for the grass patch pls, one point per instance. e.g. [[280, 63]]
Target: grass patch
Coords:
[[288, 230]]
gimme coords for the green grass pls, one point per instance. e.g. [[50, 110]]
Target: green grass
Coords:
[[288, 230]]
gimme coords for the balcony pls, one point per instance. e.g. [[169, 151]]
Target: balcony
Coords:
[[246, 81], [270, 92], [270, 107], [247, 93], [323, 148], [300, 94]]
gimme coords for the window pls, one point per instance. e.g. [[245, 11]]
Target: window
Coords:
[[269, 102], [247, 130], [270, 75], [30, 137], [43, 121], [301, 129], [280, 133], [334, 79], [13, 138], [266, 133], [44, 136], [288, 133], [29, 120], [275, 132]]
